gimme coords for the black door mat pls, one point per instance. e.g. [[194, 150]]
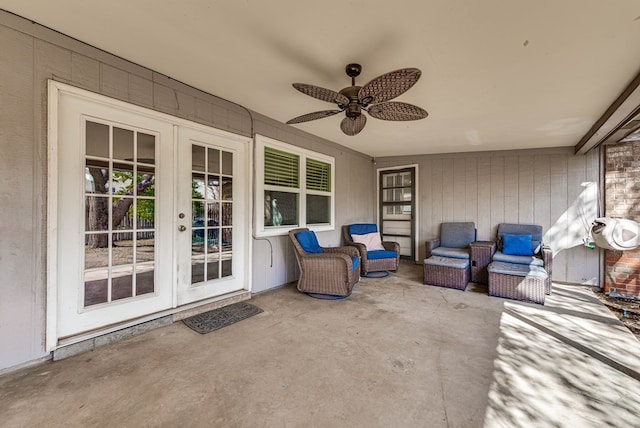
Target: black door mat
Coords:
[[207, 322]]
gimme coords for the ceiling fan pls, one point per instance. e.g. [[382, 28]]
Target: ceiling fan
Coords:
[[373, 98]]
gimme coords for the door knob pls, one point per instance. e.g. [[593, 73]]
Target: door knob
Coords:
[[182, 228]]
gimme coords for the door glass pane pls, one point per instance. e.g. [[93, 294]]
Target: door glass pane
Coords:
[[227, 163], [213, 187], [227, 189], [197, 158], [96, 250], [213, 161], [227, 266], [212, 268], [119, 201], [197, 214], [96, 287], [213, 214], [122, 144], [122, 213], [145, 279], [96, 213], [96, 177], [146, 148], [145, 247], [227, 242], [227, 214], [121, 282], [145, 213], [122, 179], [197, 186], [145, 180], [97, 139]]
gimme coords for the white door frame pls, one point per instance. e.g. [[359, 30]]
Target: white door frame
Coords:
[[55, 91], [416, 205]]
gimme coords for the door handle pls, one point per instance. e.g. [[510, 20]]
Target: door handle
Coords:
[[182, 228]]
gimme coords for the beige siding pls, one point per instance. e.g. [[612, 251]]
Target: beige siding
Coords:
[[551, 187], [29, 56]]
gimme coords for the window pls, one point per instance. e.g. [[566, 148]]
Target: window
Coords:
[[294, 188]]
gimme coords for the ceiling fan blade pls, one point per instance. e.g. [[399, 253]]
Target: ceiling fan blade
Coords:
[[322, 93], [388, 86], [313, 116], [397, 111], [352, 126]]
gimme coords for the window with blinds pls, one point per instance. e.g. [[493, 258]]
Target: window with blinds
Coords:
[[318, 175], [295, 189], [281, 168]]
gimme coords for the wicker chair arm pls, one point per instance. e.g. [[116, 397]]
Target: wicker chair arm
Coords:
[[349, 250], [430, 245], [391, 246], [547, 257]]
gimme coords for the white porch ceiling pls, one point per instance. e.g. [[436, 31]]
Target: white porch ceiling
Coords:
[[496, 74]]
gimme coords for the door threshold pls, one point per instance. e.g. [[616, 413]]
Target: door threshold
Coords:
[[75, 345]]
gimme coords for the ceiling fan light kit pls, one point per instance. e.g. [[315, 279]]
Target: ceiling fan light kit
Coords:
[[372, 98]]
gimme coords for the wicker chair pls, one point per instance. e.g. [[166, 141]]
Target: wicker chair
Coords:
[[521, 268], [446, 262], [325, 272], [374, 263]]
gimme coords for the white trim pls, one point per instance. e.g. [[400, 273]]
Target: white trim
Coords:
[[259, 228], [416, 218], [51, 337]]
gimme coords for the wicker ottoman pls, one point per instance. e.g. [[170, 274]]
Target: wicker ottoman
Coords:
[[519, 282], [446, 272]]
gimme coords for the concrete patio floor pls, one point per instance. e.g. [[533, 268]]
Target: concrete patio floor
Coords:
[[395, 354]]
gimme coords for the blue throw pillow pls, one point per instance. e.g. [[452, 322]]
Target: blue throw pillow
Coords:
[[308, 241], [516, 245]]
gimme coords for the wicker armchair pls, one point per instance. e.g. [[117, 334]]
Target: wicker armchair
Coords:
[[374, 263], [521, 268], [325, 272], [446, 262]]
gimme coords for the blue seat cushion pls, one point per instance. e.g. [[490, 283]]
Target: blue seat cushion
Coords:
[[518, 260], [355, 262], [528, 271], [308, 241], [381, 254], [455, 253], [447, 261], [362, 228]]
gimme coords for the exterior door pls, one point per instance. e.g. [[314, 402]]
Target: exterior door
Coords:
[[397, 207], [146, 213], [113, 242], [213, 188]]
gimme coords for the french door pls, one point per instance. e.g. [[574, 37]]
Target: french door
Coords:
[[212, 208], [146, 213]]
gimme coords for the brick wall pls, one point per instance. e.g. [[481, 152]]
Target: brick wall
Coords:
[[622, 199]]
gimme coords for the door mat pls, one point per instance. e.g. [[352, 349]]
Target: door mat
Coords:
[[207, 322]]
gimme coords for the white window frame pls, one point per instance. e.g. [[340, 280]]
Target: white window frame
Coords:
[[260, 228]]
